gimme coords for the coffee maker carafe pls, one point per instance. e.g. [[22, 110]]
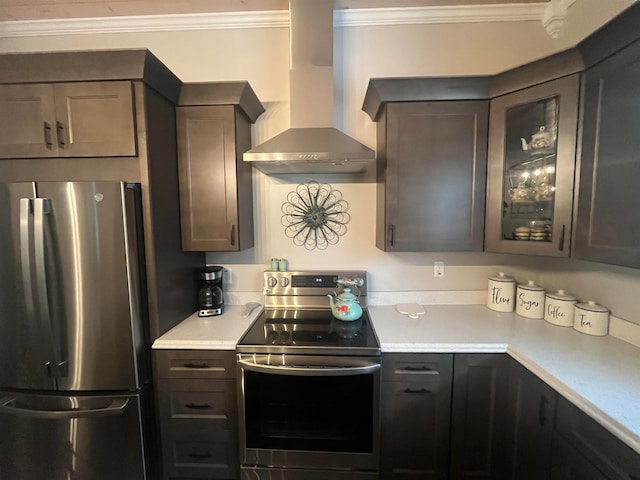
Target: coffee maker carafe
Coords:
[[210, 299]]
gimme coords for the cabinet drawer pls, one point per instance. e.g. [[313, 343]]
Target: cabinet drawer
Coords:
[[198, 449], [417, 368], [190, 364], [205, 399], [609, 454]]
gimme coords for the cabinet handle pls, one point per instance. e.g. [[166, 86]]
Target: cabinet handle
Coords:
[[47, 136], [542, 417], [199, 455], [233, 234], [60, 134], [198, 406], [411, 370], [561, 241], [196, 365], [417, 390], [392, 235]]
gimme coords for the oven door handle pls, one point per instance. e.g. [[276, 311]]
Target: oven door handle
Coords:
[[310, 370]]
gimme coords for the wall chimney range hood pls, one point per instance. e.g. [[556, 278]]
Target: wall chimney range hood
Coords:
[[312, 145]]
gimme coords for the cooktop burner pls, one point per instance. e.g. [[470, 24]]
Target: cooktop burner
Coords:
[[297, 318]]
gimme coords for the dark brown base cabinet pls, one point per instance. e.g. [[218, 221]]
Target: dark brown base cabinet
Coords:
[[478, 416], [197, 409], [530, 419], [485, 416], [584, 450], [415, 407]]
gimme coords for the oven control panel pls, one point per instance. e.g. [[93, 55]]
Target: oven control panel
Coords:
[[310, 289]]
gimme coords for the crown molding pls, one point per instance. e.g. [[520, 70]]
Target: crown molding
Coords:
[[555, 15], [513, 12]]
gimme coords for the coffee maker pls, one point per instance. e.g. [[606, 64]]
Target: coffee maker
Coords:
[[210, 299]]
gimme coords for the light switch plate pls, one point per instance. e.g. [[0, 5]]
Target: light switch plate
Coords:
[[438, 269]]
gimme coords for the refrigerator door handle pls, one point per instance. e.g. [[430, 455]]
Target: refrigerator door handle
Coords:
[[117, 406], [42, 207], [26, 209]]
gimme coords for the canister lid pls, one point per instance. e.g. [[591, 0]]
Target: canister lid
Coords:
[[501, 277], [592, 306], [561, 295], [531, 285]]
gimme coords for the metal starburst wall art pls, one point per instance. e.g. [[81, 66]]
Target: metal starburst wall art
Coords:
[[315, 215]]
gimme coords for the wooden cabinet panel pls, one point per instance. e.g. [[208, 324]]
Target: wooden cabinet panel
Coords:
[[478, 416], [530, 424], [215, 184], [27, 121], [530, 179], [431, 176], [415, 406], [568, 464], [84, 119], [605, 452], [608, 220], [95, 119], [189, 364], [198, 413]]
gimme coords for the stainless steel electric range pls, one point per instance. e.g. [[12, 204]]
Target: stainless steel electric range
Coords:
[[309, 383]]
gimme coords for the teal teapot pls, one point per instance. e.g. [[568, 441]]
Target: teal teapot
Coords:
[[345, 306]]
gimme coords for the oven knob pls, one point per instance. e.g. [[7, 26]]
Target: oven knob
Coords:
[[284, 337], [272, 337], [272, 281], [284, 281]]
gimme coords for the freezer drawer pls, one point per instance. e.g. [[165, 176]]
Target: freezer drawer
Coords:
[[53, 437]]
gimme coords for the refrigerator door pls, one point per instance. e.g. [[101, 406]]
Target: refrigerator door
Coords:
[[26, 349], [87, 283], [50, 437]]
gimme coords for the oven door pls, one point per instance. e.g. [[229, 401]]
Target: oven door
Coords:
[[309, 412]]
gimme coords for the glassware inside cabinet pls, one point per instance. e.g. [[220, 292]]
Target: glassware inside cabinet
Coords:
[[529, 181]]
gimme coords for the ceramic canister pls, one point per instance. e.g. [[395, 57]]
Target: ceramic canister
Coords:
[[591, 318], [530, 300], [502, 292], [559, 308]]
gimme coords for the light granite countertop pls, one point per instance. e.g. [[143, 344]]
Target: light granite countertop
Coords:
[[600, 375]]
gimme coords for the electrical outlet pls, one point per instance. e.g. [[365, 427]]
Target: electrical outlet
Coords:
[[438, 269], [227, 277]]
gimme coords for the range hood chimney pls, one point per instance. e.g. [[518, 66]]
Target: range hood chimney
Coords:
[[312, 145]]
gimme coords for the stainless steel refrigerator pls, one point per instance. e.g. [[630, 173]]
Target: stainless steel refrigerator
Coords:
[[75, 403]]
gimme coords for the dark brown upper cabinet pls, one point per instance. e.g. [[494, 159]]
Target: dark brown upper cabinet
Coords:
[[608, 218], [216, 188], [80, 119], [532, 138], [431, 168]]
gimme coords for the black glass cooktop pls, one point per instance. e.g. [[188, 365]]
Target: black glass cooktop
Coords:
[[309, 331]]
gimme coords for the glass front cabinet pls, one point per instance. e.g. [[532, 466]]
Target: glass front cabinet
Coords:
[[531, 164]]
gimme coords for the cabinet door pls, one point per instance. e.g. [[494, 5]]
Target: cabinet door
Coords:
[[608, 454], [434, 179], [209, 178], [415, 408], [608, 219], [530, 176], [530, 424], [478, 416], [95, 119], [568, 464], [27, 121], [92, 119]]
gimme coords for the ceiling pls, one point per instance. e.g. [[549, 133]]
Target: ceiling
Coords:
[[11, 10]]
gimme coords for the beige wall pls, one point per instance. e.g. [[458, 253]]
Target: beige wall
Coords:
[[261, 57]]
